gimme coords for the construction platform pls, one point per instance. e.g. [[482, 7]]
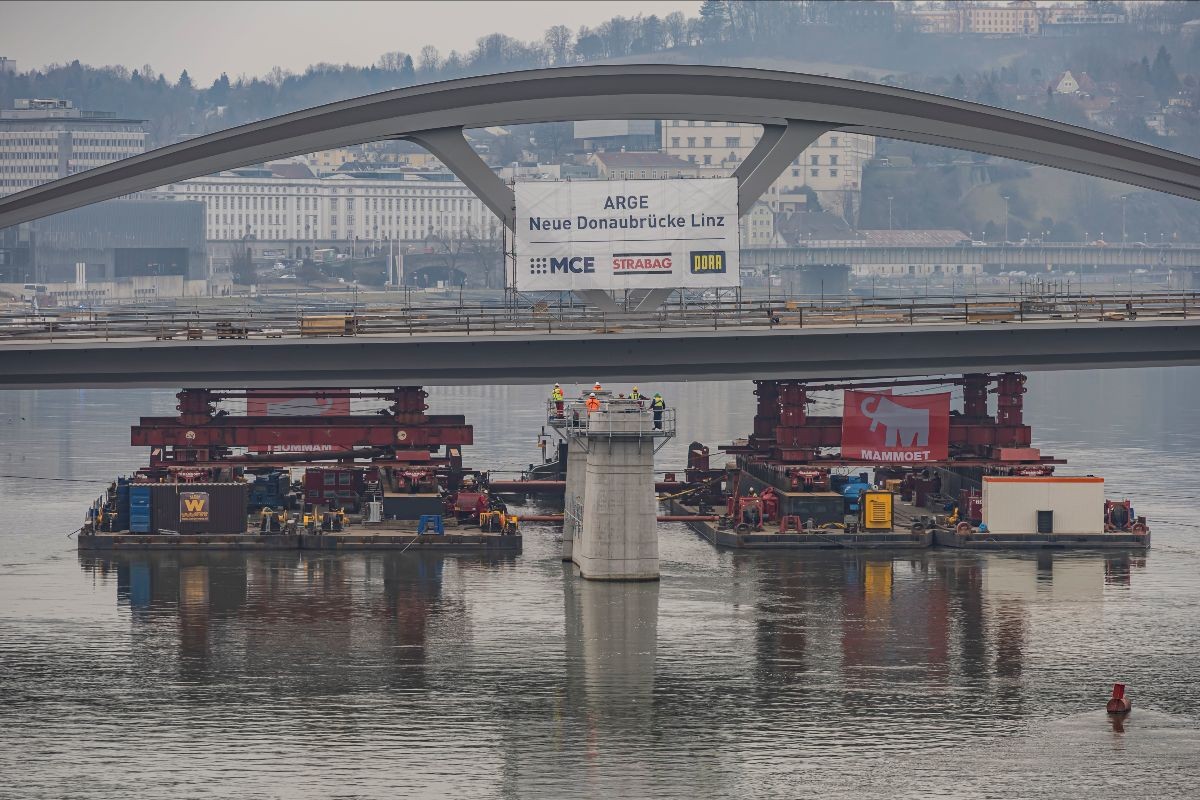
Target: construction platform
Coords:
[[466, 539], [820, 539]]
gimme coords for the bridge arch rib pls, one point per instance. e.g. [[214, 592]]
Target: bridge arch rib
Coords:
[[790, 106]]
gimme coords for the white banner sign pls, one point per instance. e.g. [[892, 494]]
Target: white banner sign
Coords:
[[647, 234]]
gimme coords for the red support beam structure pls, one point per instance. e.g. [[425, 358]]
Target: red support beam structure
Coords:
[[975, 396], [766, 415], [402, 432], [975, 436]]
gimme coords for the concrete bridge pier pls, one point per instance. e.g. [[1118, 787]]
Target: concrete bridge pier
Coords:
[[617, 539], [576, 483]]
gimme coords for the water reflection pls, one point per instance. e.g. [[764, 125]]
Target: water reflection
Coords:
[[299, 612], [916, 618]]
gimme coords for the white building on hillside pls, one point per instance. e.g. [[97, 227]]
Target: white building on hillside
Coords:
[[832, 166], [297, 212]]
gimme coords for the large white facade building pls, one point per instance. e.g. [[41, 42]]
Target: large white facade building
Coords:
[[296, 212], [44, 140], [832, 166]]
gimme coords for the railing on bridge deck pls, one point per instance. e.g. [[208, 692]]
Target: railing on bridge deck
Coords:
[[780, 312]]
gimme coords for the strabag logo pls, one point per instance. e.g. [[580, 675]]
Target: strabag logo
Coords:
[[641, 263], [550, 265], [707, 262]]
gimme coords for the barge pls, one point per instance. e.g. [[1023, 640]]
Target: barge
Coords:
[[968, 479], [299, 470]]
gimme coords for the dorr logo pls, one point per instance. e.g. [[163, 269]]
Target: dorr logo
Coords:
[[542, 265]]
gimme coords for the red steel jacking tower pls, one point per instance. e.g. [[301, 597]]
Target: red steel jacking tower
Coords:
[[401, 434], [785, 433]]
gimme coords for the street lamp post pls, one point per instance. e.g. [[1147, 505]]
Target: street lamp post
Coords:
[[1005, 219], [1124, 197]]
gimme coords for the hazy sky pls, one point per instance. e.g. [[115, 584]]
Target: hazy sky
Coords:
[[208, 38]]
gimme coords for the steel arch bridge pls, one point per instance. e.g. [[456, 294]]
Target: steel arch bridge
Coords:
[[794, 109]]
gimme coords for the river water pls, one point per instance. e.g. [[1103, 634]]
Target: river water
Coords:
[[936, 674]]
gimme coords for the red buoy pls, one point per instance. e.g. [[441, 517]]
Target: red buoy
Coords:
[[1118, 703]]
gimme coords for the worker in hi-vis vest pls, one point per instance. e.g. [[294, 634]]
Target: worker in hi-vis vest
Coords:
[[593, 403], [658, 404], [556, 394]]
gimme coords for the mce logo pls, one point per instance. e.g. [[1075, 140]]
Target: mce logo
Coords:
[[542, 265]]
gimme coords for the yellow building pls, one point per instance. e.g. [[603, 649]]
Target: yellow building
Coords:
[[622, 165], [329, 160]]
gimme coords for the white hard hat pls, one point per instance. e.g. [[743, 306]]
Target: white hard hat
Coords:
[[556, 384], [593, 394]]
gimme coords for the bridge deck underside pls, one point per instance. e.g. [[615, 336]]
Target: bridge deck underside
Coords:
[[668, 356]]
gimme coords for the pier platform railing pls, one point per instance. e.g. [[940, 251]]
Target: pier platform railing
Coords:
[[574, 420]]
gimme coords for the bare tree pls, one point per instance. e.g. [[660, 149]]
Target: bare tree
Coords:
[[430, 60], [485, 250], [617, 34], [450, 247], [277, 76], [558, 42], [392, 62], [676, 25]]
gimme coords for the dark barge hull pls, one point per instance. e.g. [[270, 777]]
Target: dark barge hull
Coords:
[[904, 539], [1040, 541], [398, 540], [823, 540]]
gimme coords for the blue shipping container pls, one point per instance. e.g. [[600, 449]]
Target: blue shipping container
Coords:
[[122, 522], [139, 509]]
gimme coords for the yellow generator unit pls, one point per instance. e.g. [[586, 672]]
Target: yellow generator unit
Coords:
[[498, 521], [877, 513]]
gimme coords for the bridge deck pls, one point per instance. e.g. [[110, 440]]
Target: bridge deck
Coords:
[[546, 356]]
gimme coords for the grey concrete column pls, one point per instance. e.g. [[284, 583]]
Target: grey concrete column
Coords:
[[576, 484], [619, 538]]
